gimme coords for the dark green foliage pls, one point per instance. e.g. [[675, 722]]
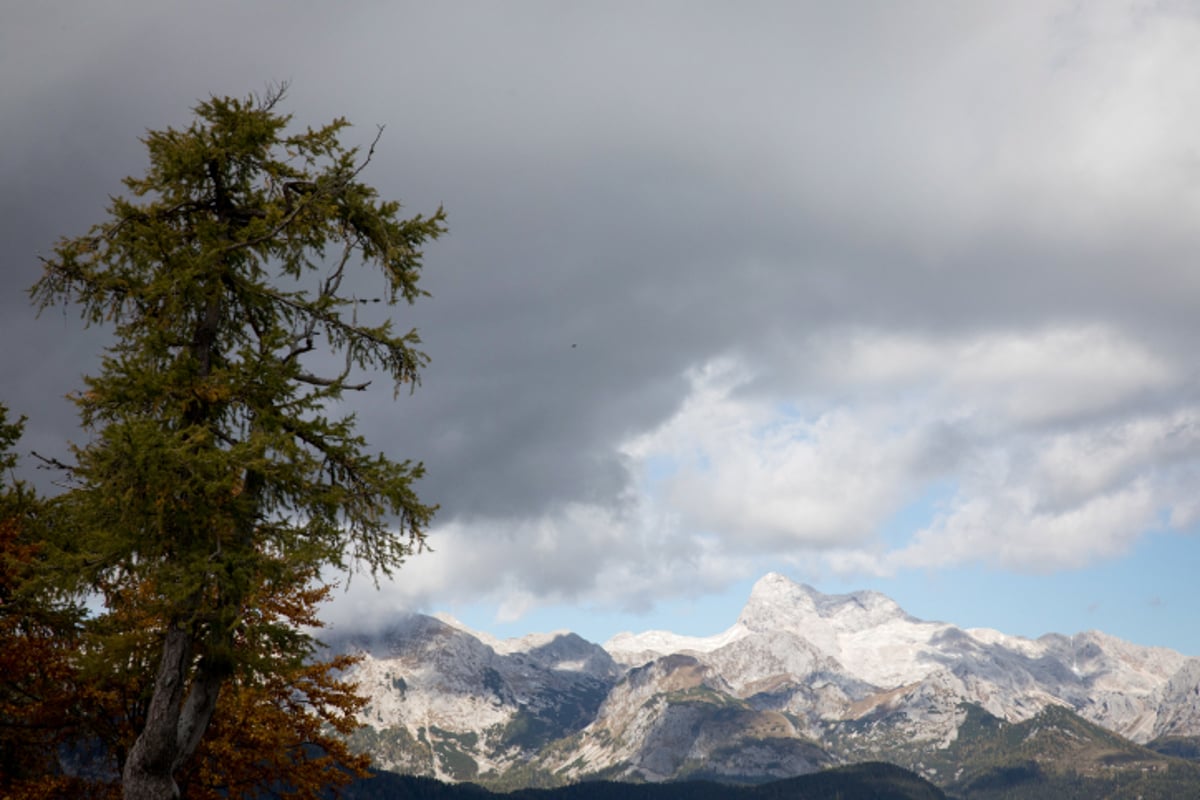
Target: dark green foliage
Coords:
[[393, 746], [1057, 755], [873, 780], [786, 752], [1011, 777], [527, 731], [453, 750], [1186, 747], [214, 455], [859, 782], [214, 463], [390, 786]]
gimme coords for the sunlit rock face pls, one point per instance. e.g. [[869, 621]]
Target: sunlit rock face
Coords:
[[446, 703], [800, 681]]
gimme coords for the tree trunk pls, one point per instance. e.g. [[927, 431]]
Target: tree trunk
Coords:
[[173, 726]]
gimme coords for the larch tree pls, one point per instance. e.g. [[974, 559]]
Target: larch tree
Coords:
[[215, 466]]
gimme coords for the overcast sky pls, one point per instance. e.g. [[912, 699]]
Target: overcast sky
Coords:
[[900, 296]]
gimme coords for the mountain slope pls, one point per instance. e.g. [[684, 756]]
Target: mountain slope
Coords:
[[801, 681], [1055, 755], [1140, 692], [445, 704]]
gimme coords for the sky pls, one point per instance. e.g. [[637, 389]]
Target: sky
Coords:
[[889, 296]]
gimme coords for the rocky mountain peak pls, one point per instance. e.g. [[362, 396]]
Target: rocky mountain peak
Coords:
[[773, 596], [776, 599], [800, 678], [866, 632]]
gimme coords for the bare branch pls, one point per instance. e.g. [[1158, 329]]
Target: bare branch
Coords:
[[334, 281], [49, 462], [370, 151], [319, 381], [272, 94], [303, 345]]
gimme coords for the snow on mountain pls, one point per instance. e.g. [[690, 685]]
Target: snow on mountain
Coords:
[[633, 649], [437, 688], [559, 650], [676, 715], [866, 632], [800, 677], [866, 635]]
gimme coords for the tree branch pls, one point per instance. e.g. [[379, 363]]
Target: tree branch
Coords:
[[318, 381]]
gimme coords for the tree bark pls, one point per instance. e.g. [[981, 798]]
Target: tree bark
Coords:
[[148, 773], [173, 726]]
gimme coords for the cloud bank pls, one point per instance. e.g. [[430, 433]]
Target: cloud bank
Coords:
[[849, 287]]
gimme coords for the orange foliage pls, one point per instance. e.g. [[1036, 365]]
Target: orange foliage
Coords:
[[40, 702], [280, 730], [284, 734], [283, 729]]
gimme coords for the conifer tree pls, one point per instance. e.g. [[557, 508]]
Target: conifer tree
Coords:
[[214, 463]]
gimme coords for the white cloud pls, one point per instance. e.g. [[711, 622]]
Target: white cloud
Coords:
[[767, 478], [1038, 431], [586, 555], [1053, 375], [1005, 528], [739, 477], [1012, 378], [1063, 500], [1069, 467]]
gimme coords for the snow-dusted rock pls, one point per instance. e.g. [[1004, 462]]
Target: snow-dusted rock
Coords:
[[800, 675]]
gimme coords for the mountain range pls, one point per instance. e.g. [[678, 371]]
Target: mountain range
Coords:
[[801, 682]]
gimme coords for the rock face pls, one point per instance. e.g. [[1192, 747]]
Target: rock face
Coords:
[[801, 681], [447, 704]]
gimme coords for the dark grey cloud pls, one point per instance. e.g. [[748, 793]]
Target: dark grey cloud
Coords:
[[635, 192]]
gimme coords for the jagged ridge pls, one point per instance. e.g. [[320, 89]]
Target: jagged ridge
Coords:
[[801, 681]]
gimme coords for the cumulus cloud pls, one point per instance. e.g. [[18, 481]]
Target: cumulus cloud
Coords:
[[1053, 463], [584, 555], [1004, 528], [1058, 374], [1058, 460], [767, 477], [721, 289]]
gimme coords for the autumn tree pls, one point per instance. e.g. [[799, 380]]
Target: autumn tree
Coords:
[[36, 639], [67, 715], [215, 464], [285, 732], [274, 734]]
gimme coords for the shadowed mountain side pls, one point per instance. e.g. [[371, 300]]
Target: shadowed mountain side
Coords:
[[872, 781], [451, 704], [801, 682], [1056, 755]]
